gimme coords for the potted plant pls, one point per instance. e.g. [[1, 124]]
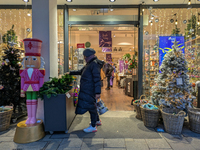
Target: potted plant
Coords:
[[133, 65], [59, 110]]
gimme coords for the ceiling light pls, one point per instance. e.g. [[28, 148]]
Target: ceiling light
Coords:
[[112, 0], [28, 14], [111, 9], [151, 23], [26, 1], [143, 9], [189, 2], [176, 22], [198, 22], [69, 0], [155, 0], [74, 9]]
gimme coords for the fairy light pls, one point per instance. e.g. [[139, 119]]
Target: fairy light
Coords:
[[176, 23], [189, 2], [1, 18], [20, 20]]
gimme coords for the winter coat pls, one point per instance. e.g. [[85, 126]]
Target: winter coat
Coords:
[[90, 85]]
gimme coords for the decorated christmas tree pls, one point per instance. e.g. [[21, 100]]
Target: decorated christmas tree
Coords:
[[172, 87], [10, 79]]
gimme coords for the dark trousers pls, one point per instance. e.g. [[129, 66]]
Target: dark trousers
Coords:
[[108, 82], [94, 117]]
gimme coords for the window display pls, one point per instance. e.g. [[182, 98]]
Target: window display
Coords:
[[171, 22], [21, 22]]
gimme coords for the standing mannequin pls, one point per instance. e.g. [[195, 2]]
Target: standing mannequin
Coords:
[[32, 76]]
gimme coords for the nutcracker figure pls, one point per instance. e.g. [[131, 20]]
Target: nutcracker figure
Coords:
[[32, 76]]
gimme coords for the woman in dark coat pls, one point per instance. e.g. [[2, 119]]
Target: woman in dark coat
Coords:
[[90, 88]]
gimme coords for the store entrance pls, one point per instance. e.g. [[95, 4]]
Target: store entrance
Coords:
[[112, 44]]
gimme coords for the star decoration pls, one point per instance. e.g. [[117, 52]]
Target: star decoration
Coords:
[[12, 43]]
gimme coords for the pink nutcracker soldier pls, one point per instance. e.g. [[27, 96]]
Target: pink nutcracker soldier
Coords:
[[32, 76]]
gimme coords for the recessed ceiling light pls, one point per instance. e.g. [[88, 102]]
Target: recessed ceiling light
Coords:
[[155, 0], [69, 0], [28, 14], [112, 0], [111, 9], [74, 9], [26, 1]]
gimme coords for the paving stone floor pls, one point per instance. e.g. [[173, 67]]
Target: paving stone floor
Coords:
[[188, 140]]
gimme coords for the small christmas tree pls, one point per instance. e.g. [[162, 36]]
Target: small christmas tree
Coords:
[[10, 79], [172, 88]]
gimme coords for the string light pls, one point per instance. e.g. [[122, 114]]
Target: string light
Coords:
[[189, 2], [176, 22]]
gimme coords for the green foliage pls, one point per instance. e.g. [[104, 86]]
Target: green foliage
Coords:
[[127, 56], [10, 78], [10, 36], [176, 30], [56, 86], [191, 29], [132, 63]]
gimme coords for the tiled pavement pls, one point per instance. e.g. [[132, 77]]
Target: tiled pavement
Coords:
[[187, 141]]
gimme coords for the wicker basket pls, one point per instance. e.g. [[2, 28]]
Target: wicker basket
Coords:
[[173, 123], [5, 118], [194, 119], [137, 108], [150, 117]]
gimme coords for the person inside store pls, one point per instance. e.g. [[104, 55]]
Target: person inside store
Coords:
[[102, 76], [108, 72], [112, 75], [90, 88]]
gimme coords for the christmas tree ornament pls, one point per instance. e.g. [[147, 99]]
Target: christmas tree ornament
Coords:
[[1, 87]]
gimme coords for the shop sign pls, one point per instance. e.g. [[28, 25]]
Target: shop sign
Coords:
[[109, 57], [105, 39], [106, 49], [165, 45], [81, 45]]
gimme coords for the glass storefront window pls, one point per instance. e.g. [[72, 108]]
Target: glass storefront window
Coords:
[[124, 40], [22, 21], [170, 22], [60, 19], [104, 14]]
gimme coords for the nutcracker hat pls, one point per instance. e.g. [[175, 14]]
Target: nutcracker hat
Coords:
[[32, 47]]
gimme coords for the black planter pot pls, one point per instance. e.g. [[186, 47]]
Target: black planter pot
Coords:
[[59, 112]]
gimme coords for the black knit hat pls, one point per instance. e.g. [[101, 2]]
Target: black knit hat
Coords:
[[88, 52]]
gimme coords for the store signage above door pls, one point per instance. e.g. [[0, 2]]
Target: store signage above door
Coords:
[[165, 45], [81, 45]]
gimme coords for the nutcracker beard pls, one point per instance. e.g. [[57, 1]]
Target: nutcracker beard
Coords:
[[31, 104]]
